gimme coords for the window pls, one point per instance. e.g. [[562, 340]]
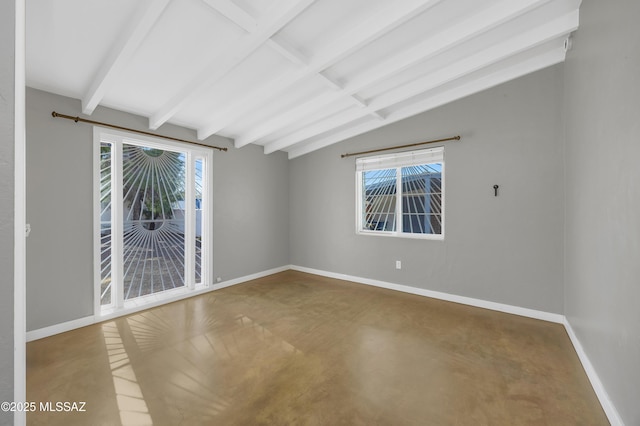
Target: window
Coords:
[[153, 216], [401, 194]]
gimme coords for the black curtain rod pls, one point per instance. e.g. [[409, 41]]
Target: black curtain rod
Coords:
[[142, 132], [455, 138]]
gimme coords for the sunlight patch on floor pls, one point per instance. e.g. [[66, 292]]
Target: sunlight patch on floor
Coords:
[[131, 403]]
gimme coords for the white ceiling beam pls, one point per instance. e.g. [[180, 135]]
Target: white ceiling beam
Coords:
[[356, 100], [512, 46], [230, 10], [454, 35], [519, 69], [328, 82], [385, 20], [359, 101], [363, 104], [286, 50], [122, 52], [234, 54]]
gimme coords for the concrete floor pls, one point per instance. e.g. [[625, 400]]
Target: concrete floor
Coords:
[[294, 348]]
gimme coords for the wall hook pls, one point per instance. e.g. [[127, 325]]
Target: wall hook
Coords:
[[495, 190]]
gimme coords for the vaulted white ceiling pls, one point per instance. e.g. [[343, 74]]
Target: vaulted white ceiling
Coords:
[[291, 75]]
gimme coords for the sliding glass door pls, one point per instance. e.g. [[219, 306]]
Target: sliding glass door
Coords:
[[154, 218]]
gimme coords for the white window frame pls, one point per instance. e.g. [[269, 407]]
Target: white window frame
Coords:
[[398, 161], [117, 138]]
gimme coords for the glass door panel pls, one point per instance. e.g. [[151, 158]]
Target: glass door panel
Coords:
[[153, 220], [105, 224]]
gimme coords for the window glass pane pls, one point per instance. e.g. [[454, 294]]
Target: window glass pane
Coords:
[[198, 224], [379, 200], [422, 199], [105, 223], [153, 213]]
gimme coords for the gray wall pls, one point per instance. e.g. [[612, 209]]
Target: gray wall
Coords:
[[7, 181], [602, 237], [251, 214], [505, 249]]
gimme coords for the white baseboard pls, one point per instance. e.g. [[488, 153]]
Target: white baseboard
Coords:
[[251, 277], [41, 333], [603, 396], [510, 309], [93, 319]]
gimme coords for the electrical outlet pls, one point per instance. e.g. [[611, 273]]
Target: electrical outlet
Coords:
[[398, 264], [218, 279]]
